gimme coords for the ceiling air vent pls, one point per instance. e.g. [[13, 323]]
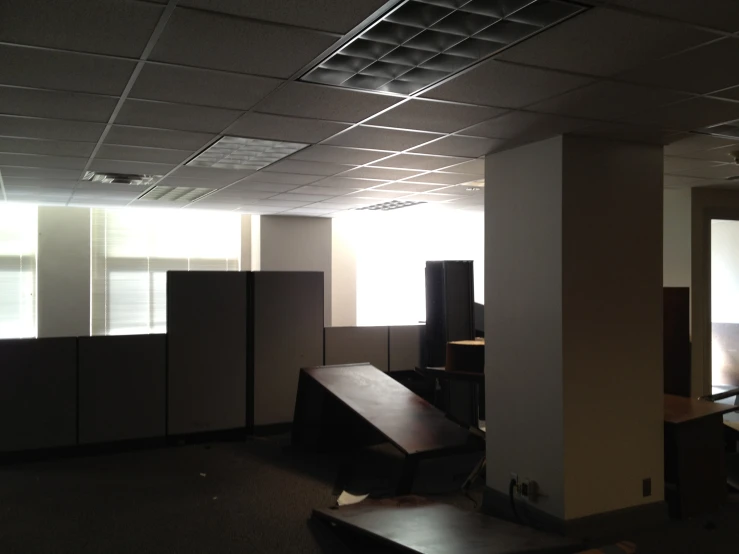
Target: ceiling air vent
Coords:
[[161, 193], [392, 205], [422, 42], [121, 178]]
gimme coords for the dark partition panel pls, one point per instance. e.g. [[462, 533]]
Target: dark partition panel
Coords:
[[676, 340], [207, 349], [287, 317], [121, 388], [38, 393]]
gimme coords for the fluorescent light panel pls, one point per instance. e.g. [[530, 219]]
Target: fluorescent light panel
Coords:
[[244, 153], [176, 194], [424, 41], [392, 205], [121, 178]]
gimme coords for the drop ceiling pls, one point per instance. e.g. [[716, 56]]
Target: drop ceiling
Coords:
[[139, 86]]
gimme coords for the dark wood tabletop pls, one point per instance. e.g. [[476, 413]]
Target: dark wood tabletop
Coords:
[[679, 409], [406, 419]]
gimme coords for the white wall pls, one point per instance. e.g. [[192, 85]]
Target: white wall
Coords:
[[676, 239], [63, 271], [297, 244], [246, 242], [343, 273]]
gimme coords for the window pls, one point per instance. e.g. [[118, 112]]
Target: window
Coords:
[[133, 249], [18, 240]]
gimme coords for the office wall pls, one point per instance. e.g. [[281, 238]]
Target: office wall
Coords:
[[676, 239], [246, 242], [63, 271], [343, 273], [297, 244]]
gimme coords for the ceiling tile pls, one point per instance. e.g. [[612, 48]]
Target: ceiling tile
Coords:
[[379, 173], [473, 167], [115, 28], [607, 100], [419, 161], [431, 197], [337, 154], [689, 115], [729, 93], [469, 147], [221, 176], [321, 102], [274, 188], [723, 154], [130, 167], [273, 127], [439, 178], [722, 171], [527, 126], [32, 160], [46, 147], [244, 196], [31, 67], [31, 174], [430, 115], [304, 198], [697, 143], [308, 212], [616, 41], [351, 183], [52, 129], [188, 85], [164, 115], [56, 105], [139, 154], [717, 14], [406, 186], [286, 204], [264, 176], [381, 137], [674, 164], [338, 16], [378, 195], [648, 134], [307, 168], [157, 138], [680, 181], [238, 45], [505, 85], [701, 70], [347, 201], [252, 209], [190, 182], [323, 191]]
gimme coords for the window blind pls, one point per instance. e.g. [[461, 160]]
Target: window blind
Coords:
[[18, 244], [133, 249]]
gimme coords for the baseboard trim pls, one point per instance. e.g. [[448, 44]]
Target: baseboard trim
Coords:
[[615, 524], [80, 450], [273, 429]]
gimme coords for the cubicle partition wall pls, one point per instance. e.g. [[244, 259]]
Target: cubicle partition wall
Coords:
[[395, 348], [38, 393], [122, 382]]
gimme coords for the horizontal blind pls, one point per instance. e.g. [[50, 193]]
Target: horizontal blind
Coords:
[[132, 250], [18, 246]]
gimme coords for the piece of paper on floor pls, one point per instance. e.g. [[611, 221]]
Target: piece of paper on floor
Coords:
[[347, 499]]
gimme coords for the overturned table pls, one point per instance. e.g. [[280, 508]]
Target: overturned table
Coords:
[[357, 404]]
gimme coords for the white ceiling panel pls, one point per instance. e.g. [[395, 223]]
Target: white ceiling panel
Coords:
[[222, 176], [284, 204], [505, 85], [467, 147], [243, 196], [51, 129], [117, 28], [616, 41], [701, 70], [649, 134], [307, 168], [31, 67], [23, 173], [689, 115], [379, 195], [157, 138], [380, 173], [256, 186], [381, 138], [112, 166], [723, 154], [441, 178], [291, 129], [409, 187], [432, 198], [697, 143], [431, 115], [674, 164], [607, 101], [304, 198], [46, 147], [188, 85], [265, 176], [322, 102], [55, 104], [717, 14], [347, 201], [308, 212], [680, 181], [473, 167], [252, 209], [419, 161], [721, 171], [323, 191], [338, 16], [165, 115], [238, 45], [139, 154], [340, 155], [351, 183], [527, 126]]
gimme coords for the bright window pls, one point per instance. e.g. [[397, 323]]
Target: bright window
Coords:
[[18, 240], [132, 250]]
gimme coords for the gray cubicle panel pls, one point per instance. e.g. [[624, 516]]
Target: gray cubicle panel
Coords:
[[406, 342], [287, 314], [350, 345], [122, 388], [206, 349], [38, 393]]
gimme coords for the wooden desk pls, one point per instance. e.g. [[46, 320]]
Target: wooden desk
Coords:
[[694, 454]]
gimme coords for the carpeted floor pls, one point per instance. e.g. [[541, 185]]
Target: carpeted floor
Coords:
[[253, 497]]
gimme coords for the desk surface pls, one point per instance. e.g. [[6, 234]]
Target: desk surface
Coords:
[[406, 419], [679, 409]]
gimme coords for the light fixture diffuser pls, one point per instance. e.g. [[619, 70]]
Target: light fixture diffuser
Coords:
[[121, 178], [161, 193], [244, 153], [392, 205], [421, 42]]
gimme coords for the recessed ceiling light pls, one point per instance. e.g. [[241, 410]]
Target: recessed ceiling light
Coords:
[[161, 193], [121, 178], [421, 42], [392, 205], [244, 153]]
